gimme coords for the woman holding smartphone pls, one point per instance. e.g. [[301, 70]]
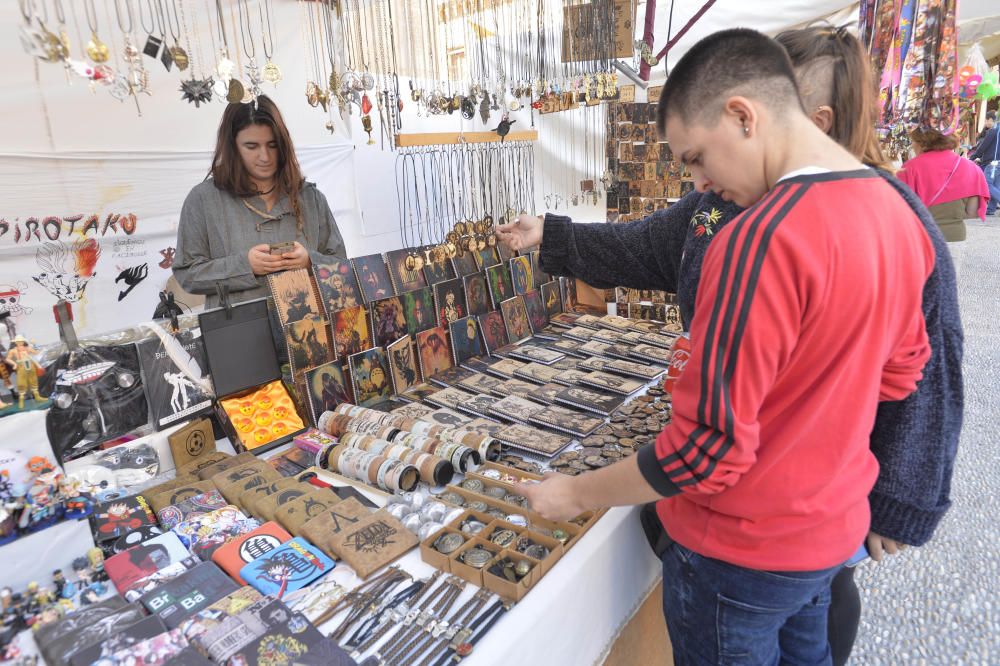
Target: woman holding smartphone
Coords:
[[254, 214]]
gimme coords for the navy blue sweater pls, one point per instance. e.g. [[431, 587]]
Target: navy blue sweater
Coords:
[[914, 440]]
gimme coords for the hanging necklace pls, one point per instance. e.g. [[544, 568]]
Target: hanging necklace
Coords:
[[249, 49], [166, 57], [271, 72], [152, 46], [97, 50], [226, 87], [178, 54], [194, 90]]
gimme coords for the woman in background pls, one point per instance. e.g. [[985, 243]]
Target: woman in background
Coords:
[[953, 188], [254, 198]]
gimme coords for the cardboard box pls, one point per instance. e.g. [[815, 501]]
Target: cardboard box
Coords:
[[432, 556], [507, 589], [463, 570]]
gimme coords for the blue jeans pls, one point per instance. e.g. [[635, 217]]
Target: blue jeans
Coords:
[[719, 613], [992, 173]]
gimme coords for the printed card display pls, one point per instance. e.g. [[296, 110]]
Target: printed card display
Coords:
[[465, 339], [403, 363], [438, 271], [520, 273], [449, 301], [537, 316], [373, 276], [388, 321], [477, 294], [370, 377], [327, 388], [494, 330], [338, 286], [418, 310], [402, 279], [294, 296], [350, 331], [501, 289], [515, 317], [308, 344], [550, 298]]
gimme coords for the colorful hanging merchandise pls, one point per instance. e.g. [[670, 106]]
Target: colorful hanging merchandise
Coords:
[[913, 46]]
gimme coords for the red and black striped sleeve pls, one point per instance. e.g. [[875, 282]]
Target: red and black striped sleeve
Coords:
[[746, 322]]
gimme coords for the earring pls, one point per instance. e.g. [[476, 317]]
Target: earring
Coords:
[[746, 131]]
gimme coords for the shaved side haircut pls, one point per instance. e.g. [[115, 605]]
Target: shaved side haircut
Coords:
[[726, 63]]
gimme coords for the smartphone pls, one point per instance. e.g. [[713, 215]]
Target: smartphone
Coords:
[[858, 557], [281, 248]]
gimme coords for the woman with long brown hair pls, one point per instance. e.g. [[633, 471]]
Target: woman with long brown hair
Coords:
[[914, 440], [255, 214]]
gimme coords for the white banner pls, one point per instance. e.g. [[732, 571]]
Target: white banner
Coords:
[[100, 230]]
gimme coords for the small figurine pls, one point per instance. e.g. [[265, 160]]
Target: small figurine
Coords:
[[21, 358], [89, 596], [59, 582], [96, 558]]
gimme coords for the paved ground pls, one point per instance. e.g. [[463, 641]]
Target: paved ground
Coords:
[[940, 604]]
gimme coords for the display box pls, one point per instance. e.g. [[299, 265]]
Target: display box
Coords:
[[466, 572], [434, 557], [240, 350], [503, 469], [556, 549], [508, 589]]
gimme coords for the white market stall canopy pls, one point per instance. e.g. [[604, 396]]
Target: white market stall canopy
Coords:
[[75, 151]]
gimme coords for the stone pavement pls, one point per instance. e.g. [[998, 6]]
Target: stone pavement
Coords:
[[940, 604]]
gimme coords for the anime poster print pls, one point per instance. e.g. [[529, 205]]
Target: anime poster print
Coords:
[[449, 301], [493, 330], [294, 296], [537, 316], [438, 271], [434, 351], [551, 299], [403, 280], [520, 274], [500, 285], [370, 378], [477, 294], [373, 277], [327, 388], [465, 339], [516, 318], [418, 310], [388, 321], [350, 331], [465, 264], [308, 344], [403, 362], [338, 286]]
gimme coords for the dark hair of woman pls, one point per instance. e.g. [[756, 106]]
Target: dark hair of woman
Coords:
[[929, 140], [228, 172], [833, 70]]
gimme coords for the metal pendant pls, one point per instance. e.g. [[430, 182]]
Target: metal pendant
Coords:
[[152, 48], [468, 108], [167, 58], [484, 108], [180, 57], [235, 91], [271, 73], [368, 81], [97, 50], [225, 68]]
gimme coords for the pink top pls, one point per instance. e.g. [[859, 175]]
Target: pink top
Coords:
[[940, 176]]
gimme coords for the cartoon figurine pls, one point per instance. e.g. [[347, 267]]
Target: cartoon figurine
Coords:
[[96, 558], [21, 358]]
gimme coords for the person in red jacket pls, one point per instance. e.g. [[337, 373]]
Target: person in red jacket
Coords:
[[808, 314]]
